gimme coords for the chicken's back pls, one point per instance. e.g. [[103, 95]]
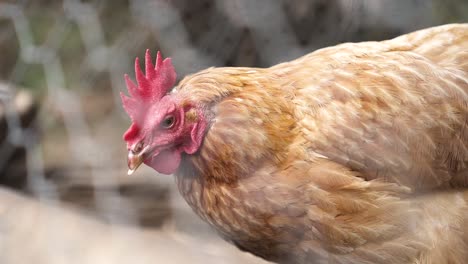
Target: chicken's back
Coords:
[[393, 110], [444, 45]]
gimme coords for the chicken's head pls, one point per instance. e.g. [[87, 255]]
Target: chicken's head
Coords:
[[160, 132]]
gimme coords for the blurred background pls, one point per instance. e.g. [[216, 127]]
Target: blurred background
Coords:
[[65, 196]]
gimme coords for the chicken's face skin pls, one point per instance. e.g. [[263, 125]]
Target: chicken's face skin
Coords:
[[166, 134], [164, 126]]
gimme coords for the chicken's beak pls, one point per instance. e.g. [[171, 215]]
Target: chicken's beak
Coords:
[[134, 160]]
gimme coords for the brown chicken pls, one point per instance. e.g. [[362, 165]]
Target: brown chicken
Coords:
[[352, 154]]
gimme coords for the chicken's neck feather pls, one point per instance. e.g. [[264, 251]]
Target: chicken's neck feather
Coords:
[[251, 120]]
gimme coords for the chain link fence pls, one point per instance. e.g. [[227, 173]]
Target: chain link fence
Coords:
[[65, 195]]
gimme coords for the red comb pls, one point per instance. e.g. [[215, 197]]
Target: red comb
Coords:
[[159, 79]]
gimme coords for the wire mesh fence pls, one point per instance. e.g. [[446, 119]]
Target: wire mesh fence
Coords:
[[66, 196]]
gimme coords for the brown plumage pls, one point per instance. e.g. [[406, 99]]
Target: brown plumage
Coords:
[[352, 154]]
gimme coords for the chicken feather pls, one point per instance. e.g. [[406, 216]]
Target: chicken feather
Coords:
[[351, 154]]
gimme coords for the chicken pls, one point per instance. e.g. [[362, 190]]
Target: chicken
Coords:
[[351, 154]]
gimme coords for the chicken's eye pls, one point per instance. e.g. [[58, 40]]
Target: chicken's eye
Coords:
[[168, 122]]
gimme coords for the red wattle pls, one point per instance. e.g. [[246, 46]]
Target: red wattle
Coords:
[[166, 162]]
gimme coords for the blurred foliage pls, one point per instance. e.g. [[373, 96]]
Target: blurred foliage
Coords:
[[32, 78], [72, 53]]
